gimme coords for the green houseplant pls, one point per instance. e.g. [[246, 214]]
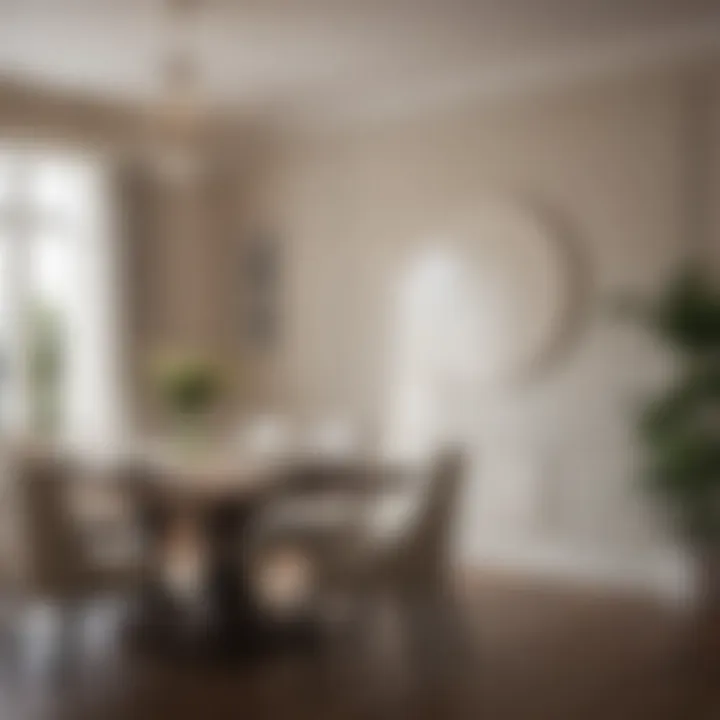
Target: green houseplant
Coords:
[[46, 357], [681, 427], [189, 384]]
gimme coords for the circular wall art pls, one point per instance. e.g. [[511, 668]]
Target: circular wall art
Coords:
[[492, 300], [524, 278]]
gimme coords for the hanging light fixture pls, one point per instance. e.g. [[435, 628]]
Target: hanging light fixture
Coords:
[[177, 120]]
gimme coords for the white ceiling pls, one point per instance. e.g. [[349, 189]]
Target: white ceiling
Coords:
[[340, 55]]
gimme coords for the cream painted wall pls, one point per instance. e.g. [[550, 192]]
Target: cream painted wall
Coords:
[[553, 488], [554, 485]]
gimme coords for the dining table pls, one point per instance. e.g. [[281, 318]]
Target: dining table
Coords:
[[196, 517]]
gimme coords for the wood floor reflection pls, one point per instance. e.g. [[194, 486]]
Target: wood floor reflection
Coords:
[[508, 652]]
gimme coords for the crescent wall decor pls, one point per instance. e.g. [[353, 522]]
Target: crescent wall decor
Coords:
[[529, 277]]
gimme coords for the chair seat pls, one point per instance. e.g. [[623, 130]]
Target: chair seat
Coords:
[[316, 514]]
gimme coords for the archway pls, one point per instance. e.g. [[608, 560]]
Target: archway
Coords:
[[437, 342]]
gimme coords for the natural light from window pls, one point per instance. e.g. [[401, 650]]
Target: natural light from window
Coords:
[[58, 325]]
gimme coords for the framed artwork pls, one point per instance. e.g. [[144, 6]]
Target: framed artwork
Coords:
[[260, 283]]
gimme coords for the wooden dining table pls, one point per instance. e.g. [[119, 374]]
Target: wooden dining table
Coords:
[[196, 517]]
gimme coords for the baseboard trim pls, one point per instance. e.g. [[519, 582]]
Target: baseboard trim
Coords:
[[666, 576]]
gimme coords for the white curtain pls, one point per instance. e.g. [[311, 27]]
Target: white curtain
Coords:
[[94, 413]]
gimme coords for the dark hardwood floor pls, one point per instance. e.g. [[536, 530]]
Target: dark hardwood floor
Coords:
[[511, 652]]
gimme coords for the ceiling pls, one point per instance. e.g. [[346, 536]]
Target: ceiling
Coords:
[[341, 56]]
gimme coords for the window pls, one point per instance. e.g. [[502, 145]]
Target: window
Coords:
[[58, 328]]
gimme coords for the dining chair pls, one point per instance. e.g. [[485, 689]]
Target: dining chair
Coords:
[[52, 560], [393, 585], [398, 544], [321, 505], [405, 544]]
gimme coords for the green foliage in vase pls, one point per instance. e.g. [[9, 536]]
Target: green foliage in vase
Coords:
[[189, 383]]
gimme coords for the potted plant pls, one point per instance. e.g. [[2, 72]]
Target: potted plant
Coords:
[[189, 384], [46, 345], [681, 427]]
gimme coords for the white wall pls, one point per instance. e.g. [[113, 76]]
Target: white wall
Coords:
[[555, 485]]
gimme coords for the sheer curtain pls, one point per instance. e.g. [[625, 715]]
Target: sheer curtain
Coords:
[[93, 403]]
